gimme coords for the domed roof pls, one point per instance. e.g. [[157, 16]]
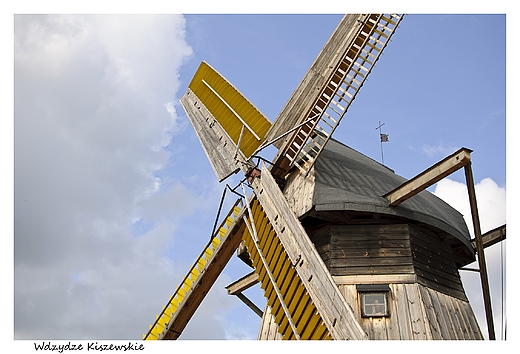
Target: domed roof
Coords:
[[347, 180]]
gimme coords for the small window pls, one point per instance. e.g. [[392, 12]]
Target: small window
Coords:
[[374, 300]]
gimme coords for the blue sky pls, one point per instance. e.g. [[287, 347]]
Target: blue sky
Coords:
[[114, 197]]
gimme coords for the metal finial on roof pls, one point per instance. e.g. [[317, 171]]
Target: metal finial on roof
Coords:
[[383, 139]]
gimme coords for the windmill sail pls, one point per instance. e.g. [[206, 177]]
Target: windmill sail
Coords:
[[329, 87], [174, 317], [317, 308], [228, 126]]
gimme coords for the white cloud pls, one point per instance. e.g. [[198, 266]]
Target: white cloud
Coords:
[[491, 202], [90, 127], [432, 151]]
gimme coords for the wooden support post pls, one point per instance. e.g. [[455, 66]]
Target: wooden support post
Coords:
[[430, 176], [480, 250]]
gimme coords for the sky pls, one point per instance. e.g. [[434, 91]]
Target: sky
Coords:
[[114, 197]]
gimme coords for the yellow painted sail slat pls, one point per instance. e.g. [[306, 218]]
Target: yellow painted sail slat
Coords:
[[307, 312], [208, 253], [320, 332], [154, 334], [263, 242], [272, 254], [174, 304], [276, 262], [287, 291], [287, 335], [311, 321], [187, 284], [215, 243], [168, 312], [316, 325], [283, 325], [229, 221], [277, 279], [160, 326], [230, 108], [201, 263], [194, 273], [290, 287]]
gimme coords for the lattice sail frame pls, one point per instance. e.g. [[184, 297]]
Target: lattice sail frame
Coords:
[[345, 80]]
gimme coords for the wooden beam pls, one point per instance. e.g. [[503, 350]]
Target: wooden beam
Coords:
[[430, 176], [242, 284], [491, 237]]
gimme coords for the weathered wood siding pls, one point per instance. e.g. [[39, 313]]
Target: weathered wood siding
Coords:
[[417, 313], [321, 240], [365, 249], [216, 143], [434, 263], [299, 191], [268, 327], [391, 249]]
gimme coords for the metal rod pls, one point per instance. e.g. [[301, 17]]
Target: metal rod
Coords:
[[266, 144], [381, 142], [218, 214], [480, 250], [252, 230]]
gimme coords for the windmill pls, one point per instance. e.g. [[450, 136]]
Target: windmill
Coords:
[[342, 247]]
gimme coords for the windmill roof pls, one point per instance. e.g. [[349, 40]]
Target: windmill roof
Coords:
[[345, 179]]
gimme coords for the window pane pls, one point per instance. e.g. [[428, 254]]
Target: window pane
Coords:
[[374, 304]]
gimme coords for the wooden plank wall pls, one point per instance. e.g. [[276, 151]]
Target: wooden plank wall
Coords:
[[358, 250], [417, 313], [434, 263], [268, 327], [299, 191], [321, 240], [370, 249]]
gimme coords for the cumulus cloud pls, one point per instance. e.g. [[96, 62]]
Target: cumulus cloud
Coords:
[[491, 201], [93, 115]]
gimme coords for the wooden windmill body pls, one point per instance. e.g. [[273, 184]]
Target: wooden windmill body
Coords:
[[342, 247]]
